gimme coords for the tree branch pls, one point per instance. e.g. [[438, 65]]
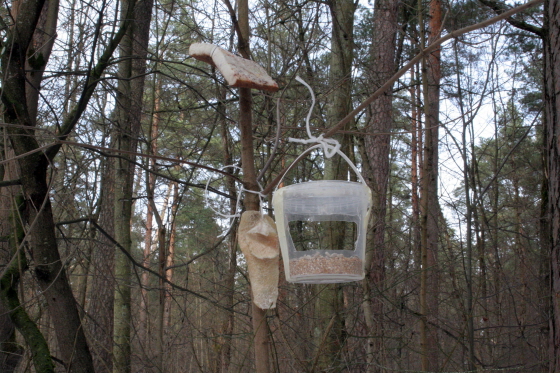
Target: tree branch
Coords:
[[93, 78], [500, 8], [173, 160], [241, 40], [7, 183]]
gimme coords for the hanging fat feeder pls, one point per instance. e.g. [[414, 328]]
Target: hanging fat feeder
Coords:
[[322, 201]]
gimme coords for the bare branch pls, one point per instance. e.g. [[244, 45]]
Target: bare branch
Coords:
[[500, 8], [93, 78]]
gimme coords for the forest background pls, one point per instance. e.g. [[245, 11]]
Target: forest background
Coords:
[[112, 259]]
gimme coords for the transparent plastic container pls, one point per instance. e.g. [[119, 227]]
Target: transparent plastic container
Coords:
[[322, 201]]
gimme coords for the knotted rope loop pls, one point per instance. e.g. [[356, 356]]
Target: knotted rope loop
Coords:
[[330, 146]]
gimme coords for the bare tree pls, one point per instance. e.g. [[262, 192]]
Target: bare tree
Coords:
[[19, 102]]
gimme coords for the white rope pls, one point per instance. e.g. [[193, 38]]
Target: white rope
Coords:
[[227, 216], [261, 196], [240, 191], [330, 146]]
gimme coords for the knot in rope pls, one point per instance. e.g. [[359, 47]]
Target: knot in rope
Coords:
[[330, 146]]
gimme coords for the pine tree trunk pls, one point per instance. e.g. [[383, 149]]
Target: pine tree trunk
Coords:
[[143, 332], [380, 115], [100, 306], [416, 159], [552, 133], [430, 206], [170, 258], [229, 320]]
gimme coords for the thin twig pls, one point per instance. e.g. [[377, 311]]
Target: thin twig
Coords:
[[136, 264]]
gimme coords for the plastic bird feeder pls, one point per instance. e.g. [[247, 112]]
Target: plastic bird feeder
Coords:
[[323, 201]]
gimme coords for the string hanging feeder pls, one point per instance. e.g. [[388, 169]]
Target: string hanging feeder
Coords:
[[323, 201]]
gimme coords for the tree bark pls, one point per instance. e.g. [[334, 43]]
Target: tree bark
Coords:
[[430, 211], [49, 270], [11, 274], [251, 200], [377, 146], [552, 133], [40, 50], [10, 351], [170, 257], [101, 291], [330, 331], [129, 109], [229, 283], [416, 156]]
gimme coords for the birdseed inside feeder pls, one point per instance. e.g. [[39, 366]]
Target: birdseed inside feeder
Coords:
[[322, 201]]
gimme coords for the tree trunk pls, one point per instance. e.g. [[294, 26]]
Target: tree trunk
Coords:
[[377, 144], [251, 200], [50, 273], [10, 351], [416, 157], [129, 109], [430, 207], [330, 334], [49, 270], [229, 283], [41, 47], [100, 306], [170, 257], [125, 139], [144, 320], [38, 347], [552, 133]]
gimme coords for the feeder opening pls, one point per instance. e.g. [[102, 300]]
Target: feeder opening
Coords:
[[321, 230], [326, 267], [323, 235], [324, 248]]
